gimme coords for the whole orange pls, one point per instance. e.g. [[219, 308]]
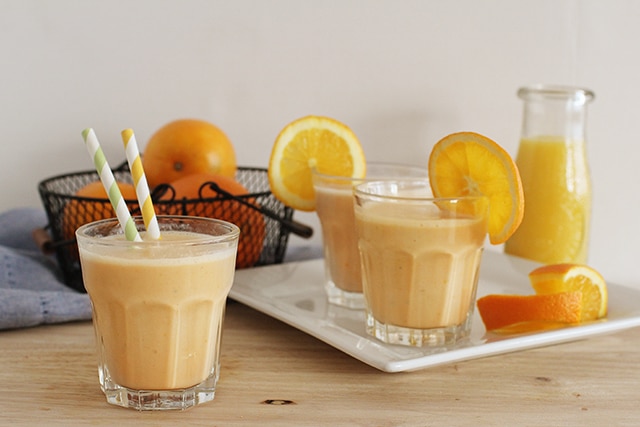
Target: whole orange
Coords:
[[185, 147], [192, 189], [79, 212]]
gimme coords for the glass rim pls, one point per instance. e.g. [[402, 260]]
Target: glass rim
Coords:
[[579, 94], [408, 166], [231, 233], [360, 189]]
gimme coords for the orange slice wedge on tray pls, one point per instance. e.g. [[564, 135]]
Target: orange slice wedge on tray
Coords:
[[555, 278], [498, 311]]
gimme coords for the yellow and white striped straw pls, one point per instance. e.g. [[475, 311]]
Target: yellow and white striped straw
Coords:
[[110, 185], [140, 182]]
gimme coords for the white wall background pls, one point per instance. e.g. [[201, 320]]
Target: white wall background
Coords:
[[401, 73]]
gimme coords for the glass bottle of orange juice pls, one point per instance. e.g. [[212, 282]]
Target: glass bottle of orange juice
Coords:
[[553, 165]]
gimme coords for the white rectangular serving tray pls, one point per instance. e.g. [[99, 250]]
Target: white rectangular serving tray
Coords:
[[294, 293]]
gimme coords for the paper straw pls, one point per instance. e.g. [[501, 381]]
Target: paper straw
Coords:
[[110, 185], [140, 182]]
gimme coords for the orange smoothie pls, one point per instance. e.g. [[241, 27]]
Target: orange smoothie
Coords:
[[334, 207], [158, 309], [557, 192], [420, 264]]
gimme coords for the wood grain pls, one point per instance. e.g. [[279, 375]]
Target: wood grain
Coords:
[[275, 375]]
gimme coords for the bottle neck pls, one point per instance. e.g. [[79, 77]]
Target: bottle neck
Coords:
[[557, 112]]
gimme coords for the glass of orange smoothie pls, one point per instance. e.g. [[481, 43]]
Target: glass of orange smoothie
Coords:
[[420, 259], [334, 206], [158, 308]]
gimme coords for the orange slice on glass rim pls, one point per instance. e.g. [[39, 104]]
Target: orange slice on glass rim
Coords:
[[467, 163], [311, 142], [556, 278]]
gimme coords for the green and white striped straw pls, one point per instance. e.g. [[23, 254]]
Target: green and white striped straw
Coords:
[[140, 182], [110, 185]]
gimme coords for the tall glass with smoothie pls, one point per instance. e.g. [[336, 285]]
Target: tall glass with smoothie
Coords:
[[334, 206], [158, 308], [553, 166], [420, 259]]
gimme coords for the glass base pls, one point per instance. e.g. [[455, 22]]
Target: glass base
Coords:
[[160, 400], [431, 337], [337, 296]]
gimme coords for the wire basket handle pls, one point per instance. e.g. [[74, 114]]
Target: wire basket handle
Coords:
[[294, 227]]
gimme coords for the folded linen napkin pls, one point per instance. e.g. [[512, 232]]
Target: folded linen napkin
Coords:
[[32, 291]]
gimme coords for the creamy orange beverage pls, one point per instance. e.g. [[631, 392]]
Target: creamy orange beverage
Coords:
[[158, 306], [334, 206], [335, 210], [420, 260]]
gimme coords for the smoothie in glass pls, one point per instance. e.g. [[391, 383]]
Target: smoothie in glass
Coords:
[[420, 261], [158, 308]]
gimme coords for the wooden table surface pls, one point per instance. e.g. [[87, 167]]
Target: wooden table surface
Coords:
[[274, 375]]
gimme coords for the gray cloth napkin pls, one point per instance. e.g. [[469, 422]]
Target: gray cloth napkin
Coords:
[[32, 291]]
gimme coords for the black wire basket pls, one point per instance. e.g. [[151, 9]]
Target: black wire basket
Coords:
[[265, 222]]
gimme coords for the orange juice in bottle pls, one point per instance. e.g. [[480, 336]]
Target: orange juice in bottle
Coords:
[[555, 175]]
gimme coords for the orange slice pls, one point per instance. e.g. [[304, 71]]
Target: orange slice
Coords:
[[499, 311], [554, 278], [467, 163], [307, 143]]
